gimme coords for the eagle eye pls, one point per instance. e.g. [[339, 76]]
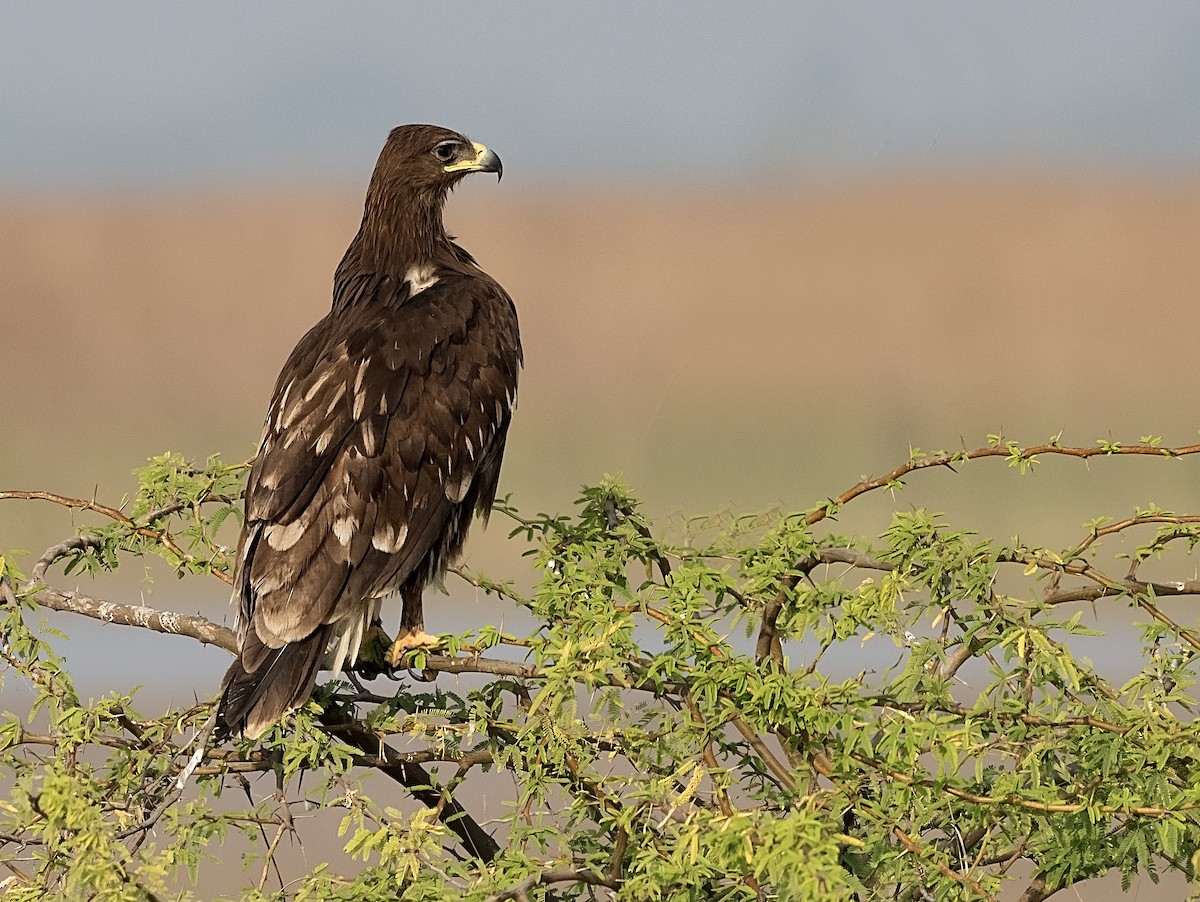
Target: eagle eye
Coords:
[[446, 151]]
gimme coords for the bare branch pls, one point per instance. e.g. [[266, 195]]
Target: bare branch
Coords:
[[66, 501], [475, 664], [55, 552], [774, 765], [191, 625]]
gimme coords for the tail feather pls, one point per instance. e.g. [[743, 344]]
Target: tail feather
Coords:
[[281, 680]]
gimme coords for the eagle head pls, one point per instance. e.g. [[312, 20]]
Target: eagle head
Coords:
[[402, 217], [427, 161]]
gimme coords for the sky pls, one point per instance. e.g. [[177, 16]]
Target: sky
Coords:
[[150, 94]]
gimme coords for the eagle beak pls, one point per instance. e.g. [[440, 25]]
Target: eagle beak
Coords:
[[485, 161]]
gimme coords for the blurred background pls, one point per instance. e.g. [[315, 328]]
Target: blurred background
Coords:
[[758, 251]]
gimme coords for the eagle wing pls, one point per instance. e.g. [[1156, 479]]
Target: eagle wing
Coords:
[[384, 423]]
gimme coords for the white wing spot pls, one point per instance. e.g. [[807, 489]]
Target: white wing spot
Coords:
[[267, 584], [316, 386], [369, 439], [283, 399], [344, 528], [281, 537], [456, 489], [389, 540], [419, 278], [335, 400]]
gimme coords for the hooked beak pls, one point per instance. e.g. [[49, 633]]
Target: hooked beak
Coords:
[[485, 161]]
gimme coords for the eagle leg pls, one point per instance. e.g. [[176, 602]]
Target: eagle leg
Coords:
[[412, 633]]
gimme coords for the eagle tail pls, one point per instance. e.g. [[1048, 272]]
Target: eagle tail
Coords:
[[281, 679]]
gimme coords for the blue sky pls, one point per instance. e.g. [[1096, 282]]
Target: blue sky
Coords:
[[154, 93]]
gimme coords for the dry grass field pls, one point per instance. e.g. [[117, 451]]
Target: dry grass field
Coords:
[[739, 346]]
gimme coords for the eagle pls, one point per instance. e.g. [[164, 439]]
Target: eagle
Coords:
[[382, 440]]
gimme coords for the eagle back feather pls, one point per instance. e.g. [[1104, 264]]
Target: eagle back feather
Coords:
[[380, 428]]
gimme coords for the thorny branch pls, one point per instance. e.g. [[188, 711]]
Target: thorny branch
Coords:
[[193, 626]]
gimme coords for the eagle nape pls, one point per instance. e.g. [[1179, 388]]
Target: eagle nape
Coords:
[[383, 439]]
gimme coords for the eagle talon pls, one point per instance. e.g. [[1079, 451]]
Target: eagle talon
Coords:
[[373, 653], [410, 642]]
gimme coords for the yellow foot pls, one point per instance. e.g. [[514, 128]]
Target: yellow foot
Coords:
[[407, 643]]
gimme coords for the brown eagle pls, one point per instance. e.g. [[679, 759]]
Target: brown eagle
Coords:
[[384, 437]]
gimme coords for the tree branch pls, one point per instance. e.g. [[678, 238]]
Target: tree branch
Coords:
[[1010, 451], [141, 529], [917, 849], [191, 625], [1037, 890], [477, 841], [520, 892]]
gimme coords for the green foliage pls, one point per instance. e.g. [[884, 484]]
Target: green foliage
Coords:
[[756, 708], [197, 501]]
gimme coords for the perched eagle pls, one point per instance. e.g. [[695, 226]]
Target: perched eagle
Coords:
[[384, 437]]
